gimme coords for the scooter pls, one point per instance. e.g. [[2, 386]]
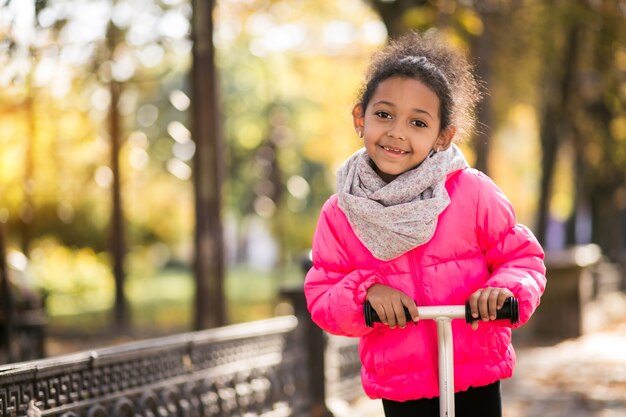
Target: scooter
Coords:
[[444, 315]]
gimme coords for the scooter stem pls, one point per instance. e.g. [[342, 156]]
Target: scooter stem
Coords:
[[446, 366]]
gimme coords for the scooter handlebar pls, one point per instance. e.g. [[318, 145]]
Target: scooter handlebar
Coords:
[[510, 311]]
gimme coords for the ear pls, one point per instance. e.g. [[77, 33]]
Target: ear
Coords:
[[445, 137], [358, 118]]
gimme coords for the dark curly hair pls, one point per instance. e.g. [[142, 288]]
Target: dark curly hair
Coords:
[[442, 68]]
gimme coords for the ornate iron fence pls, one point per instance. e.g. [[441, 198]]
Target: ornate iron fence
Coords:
[[266, 368], [255, 369], [343, 368]]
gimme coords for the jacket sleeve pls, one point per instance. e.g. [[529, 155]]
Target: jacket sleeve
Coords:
[[514, 256], [335, 291]]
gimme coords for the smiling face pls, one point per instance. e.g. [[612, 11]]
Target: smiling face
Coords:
[[400, 126]]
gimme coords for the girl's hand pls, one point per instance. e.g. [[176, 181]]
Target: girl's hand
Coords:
[[485, 302], [389, 302]]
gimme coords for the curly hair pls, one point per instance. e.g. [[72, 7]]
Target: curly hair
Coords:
[[442, 68]]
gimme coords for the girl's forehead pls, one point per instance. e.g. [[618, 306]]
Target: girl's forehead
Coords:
[[405, 91]]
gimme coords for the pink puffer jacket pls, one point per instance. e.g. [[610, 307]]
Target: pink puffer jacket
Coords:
[[477, 244]]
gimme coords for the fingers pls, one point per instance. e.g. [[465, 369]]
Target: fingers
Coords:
[[503, 296], [485, 303], [409, 304], [490, 307], [387, 314], [389, 304], [412, 307], [473, 303], [399, 317]]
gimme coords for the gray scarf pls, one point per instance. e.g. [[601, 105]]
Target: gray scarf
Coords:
[[393, 218]]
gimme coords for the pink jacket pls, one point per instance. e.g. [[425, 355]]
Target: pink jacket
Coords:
[[477, 244]]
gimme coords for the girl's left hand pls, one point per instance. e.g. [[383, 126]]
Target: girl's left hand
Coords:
[[485, 302]]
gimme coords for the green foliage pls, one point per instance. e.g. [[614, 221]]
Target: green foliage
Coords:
[[74, 280], [283, 142], [159, 301], [288, 99]]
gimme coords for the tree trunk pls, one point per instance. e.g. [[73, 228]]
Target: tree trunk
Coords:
[[7, 300], [209, 247], [27, 210], [392, 14], [117, 240], [572, 232], [554, 125], [481, 49], [606, 177], [608, 225]]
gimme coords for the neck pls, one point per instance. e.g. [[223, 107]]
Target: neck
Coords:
[[384, 176]]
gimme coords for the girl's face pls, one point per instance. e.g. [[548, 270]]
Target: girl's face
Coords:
[[400, 126]]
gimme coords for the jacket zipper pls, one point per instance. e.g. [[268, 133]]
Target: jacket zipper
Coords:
[[433, 350]]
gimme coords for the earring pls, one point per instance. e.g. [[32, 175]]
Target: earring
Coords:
[[360, 132]]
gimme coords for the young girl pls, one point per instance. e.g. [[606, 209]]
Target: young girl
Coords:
[[412, 225]]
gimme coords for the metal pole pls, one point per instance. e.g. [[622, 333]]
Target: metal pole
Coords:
[[446, 367], [437, 312]]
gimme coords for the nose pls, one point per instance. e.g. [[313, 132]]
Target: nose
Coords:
[[396, 132]]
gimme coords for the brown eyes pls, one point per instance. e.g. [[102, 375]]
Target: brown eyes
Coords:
[[385, 115]]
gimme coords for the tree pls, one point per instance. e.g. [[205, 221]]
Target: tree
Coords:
[[582, 112], [209, 246], [117, 235], [597, 113], [86, 111], [558, 88]]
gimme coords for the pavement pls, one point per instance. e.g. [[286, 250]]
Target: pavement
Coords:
[[582, 377]]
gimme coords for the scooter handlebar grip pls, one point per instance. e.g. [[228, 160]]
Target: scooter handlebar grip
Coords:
[[371, 316], [509, 311]]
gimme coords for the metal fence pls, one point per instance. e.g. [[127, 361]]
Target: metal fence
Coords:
[[342, 368], [264, 368]]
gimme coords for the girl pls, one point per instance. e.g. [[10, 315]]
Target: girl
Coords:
[[411, 224]]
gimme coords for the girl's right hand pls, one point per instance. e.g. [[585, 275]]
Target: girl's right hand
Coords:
[[389, 304]]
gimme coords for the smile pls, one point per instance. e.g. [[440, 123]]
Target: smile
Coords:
[[394, 150]]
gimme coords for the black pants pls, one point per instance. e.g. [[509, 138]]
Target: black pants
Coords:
[[480, 402]]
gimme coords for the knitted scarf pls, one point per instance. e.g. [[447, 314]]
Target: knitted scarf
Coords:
[[393, 218]]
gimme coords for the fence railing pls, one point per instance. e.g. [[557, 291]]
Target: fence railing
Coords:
[[267, 368]]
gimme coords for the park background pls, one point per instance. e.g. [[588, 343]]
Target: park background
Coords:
[[102, 105]]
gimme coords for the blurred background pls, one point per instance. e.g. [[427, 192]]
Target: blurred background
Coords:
[[162, 166]]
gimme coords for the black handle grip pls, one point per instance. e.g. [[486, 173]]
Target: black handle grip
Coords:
[[510, 311], [371, 316]]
